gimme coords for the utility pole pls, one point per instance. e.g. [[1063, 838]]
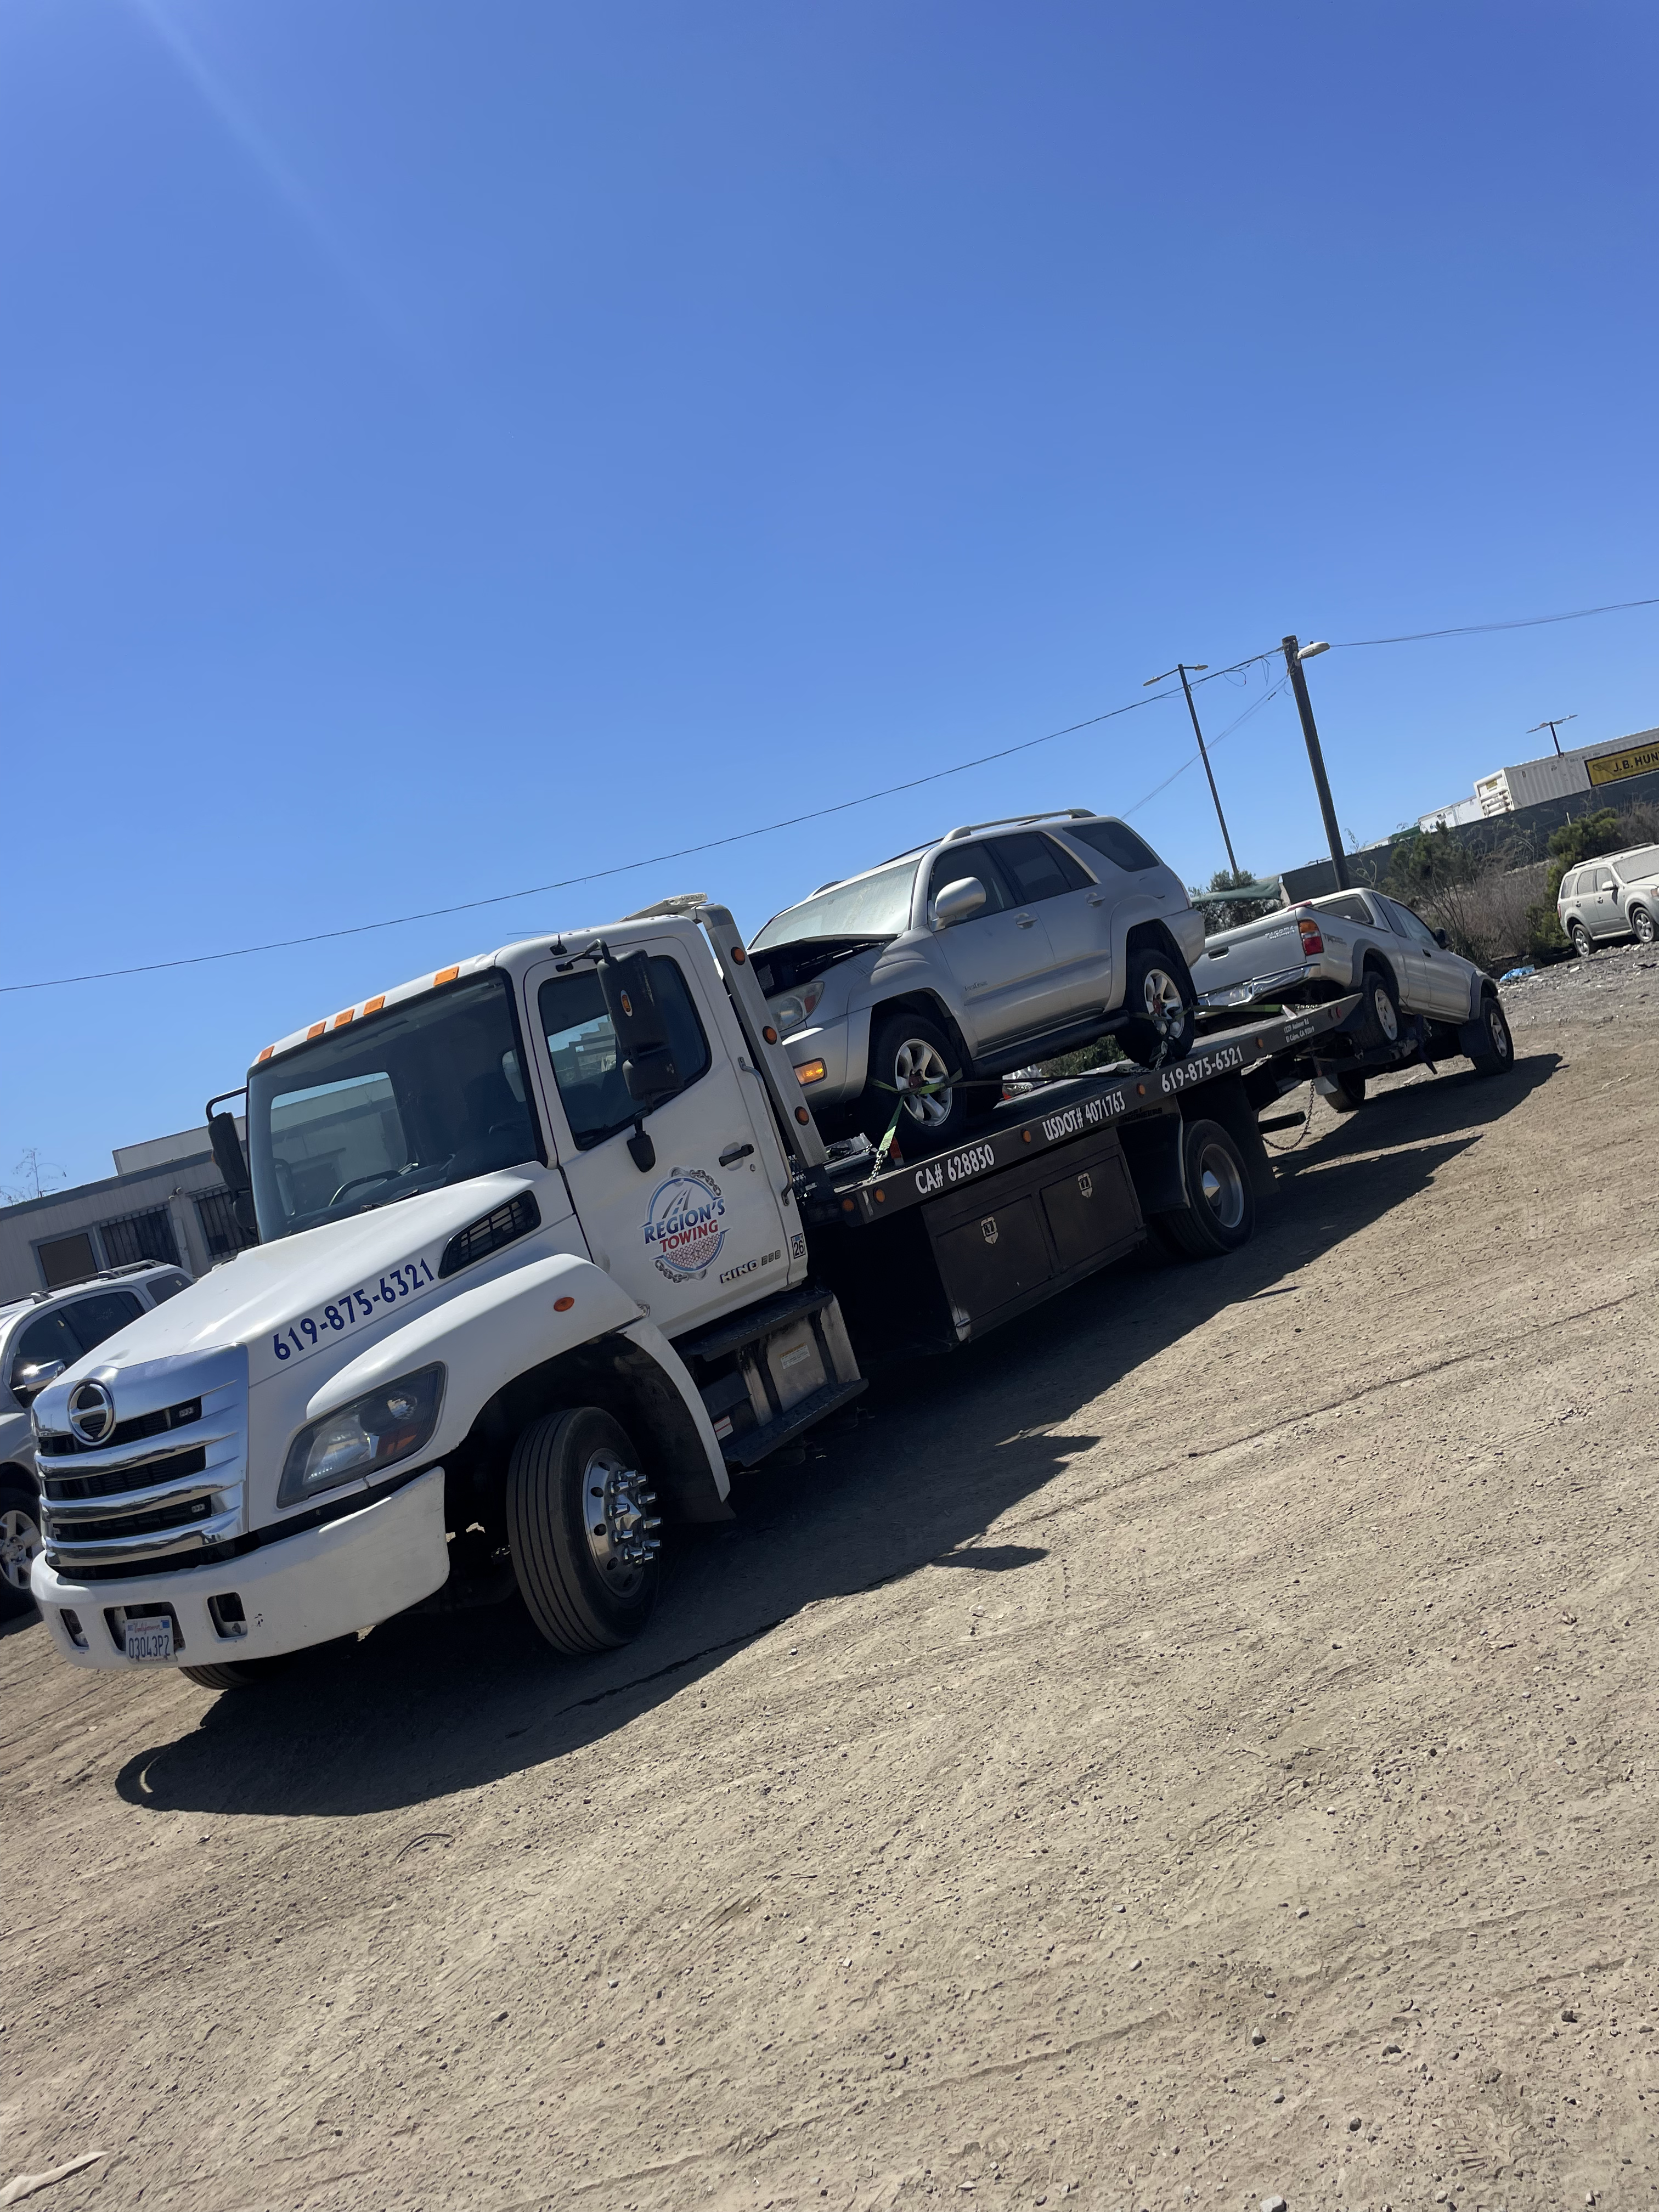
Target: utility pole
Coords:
[[1294, 653], [1552, 726], [1180, 669]]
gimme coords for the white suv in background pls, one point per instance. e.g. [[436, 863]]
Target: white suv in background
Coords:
[[925, 979], [1617, 896], [41, 1336]]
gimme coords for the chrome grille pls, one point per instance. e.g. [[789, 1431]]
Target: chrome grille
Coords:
[[170, 1480]]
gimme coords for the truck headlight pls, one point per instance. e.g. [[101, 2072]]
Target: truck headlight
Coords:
[[359, 1439]]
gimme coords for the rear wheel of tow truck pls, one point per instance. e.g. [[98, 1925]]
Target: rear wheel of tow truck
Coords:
[[1379, 1010], [1220, 1214], [1158, 996], [584, 1550], [19, 1542], [1491, 1047], [910, 1056]]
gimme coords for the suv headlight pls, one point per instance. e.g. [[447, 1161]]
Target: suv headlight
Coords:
[[796, 1008], [359, 1439]]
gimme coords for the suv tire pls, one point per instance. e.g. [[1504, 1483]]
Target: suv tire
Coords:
[[20, 1541], [576, 1521], [1158, 997], [1643, 926], [907, 1048], [1583, 944]]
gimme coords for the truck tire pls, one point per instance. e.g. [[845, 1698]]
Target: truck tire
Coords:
[[1379, 1010], [583, 1553], [1220, 1214], [1643, 926], [1490, 1047], [1582, 943], [1350, 1091], [1159, 996], [904, 1050], [242, 1674], [20, 1541]]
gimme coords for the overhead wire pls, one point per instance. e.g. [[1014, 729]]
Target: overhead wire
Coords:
[[817, 813]]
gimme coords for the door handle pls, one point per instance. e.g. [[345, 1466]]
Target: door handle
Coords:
[[1023, 921], [735, 1152], [1095, 899]]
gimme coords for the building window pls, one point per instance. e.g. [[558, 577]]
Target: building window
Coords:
[[220, 1232], [139, 1237], [67, 1260]]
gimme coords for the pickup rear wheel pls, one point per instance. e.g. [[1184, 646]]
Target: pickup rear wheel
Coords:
[[1220, 1214], [583, 1546], [1379, 1009], [1491, 1048]]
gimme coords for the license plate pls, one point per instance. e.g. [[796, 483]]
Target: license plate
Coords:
[[149, 1638]]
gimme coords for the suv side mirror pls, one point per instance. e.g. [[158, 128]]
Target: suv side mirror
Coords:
[[28, 1383], [959, 901], [1442, 940]]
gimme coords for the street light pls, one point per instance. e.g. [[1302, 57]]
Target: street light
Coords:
[[1198, 668], [1552, 726]]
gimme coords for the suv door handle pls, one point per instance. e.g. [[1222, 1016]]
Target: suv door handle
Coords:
[[1023, 921], [1097, 898], [735, 1152]]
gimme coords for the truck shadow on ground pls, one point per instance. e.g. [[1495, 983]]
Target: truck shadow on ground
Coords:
[[428, 1705]]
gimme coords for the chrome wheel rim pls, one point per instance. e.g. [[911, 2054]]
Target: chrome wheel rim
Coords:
[[1642, 922], [1581, 944], [1221, 1186], [917, 1066], [621, 1534], [20, 1543], [1387, 1019], [1161, 995], [1498, 1030]]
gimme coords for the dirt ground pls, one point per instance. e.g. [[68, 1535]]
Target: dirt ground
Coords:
[[1197, 1747]]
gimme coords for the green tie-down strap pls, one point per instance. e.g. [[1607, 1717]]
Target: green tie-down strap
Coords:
[[924, 1090]]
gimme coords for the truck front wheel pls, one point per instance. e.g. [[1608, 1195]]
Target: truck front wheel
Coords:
[[583, 1541]]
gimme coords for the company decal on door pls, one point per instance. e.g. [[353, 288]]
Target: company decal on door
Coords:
[[685, 1224]]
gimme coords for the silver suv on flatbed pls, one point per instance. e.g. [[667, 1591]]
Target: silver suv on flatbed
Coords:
[[928, 978]]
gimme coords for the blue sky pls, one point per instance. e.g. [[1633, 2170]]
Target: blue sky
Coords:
[[450, 449]]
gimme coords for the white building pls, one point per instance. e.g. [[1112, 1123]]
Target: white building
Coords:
[[1555, 775], [165, 1201]]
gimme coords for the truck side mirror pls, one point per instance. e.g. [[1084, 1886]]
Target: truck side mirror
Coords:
[[959, 901], [232, 1164], [648, 1059]]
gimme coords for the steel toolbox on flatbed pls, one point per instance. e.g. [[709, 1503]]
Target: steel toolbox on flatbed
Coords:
[[1058, 1185]]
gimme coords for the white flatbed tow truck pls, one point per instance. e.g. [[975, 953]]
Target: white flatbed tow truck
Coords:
[[549, 1246]]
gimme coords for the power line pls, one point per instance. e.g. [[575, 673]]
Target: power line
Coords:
[[594, 875], [1477, 629], [1255, 707]]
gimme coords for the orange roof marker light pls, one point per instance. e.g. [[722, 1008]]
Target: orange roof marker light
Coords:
[[316, 1030], [349, 1015], [445, 975], [265, 1055], [373, 1005]]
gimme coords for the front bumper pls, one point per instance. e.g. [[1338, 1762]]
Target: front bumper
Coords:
[[295, 1592]]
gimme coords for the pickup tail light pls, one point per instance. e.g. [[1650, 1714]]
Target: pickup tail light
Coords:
[[1312, 942]]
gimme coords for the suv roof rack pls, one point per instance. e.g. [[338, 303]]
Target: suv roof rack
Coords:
[[1019, 821]]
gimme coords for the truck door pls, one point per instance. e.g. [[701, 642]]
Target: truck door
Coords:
[[998, 956], [706, 1228]]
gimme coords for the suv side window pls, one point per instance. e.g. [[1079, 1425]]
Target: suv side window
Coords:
[[1037, 867], [959, 861], [1603, 879], [163, 1287], [94, 1318], [46, 1337], [1116, 840], [583, 1046]]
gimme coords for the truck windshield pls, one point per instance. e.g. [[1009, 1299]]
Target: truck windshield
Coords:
[[428, 1093], [877, 905]]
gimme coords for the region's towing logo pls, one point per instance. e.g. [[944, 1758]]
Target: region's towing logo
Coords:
[[685, 1224]]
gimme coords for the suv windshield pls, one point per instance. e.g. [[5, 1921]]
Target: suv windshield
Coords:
[[877, 905], [428, 1093]]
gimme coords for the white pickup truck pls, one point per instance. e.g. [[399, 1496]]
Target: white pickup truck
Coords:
[[550, 1245], [1415, 993]]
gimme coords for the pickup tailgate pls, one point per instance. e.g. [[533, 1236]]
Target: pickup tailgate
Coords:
[[1272, 946]]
